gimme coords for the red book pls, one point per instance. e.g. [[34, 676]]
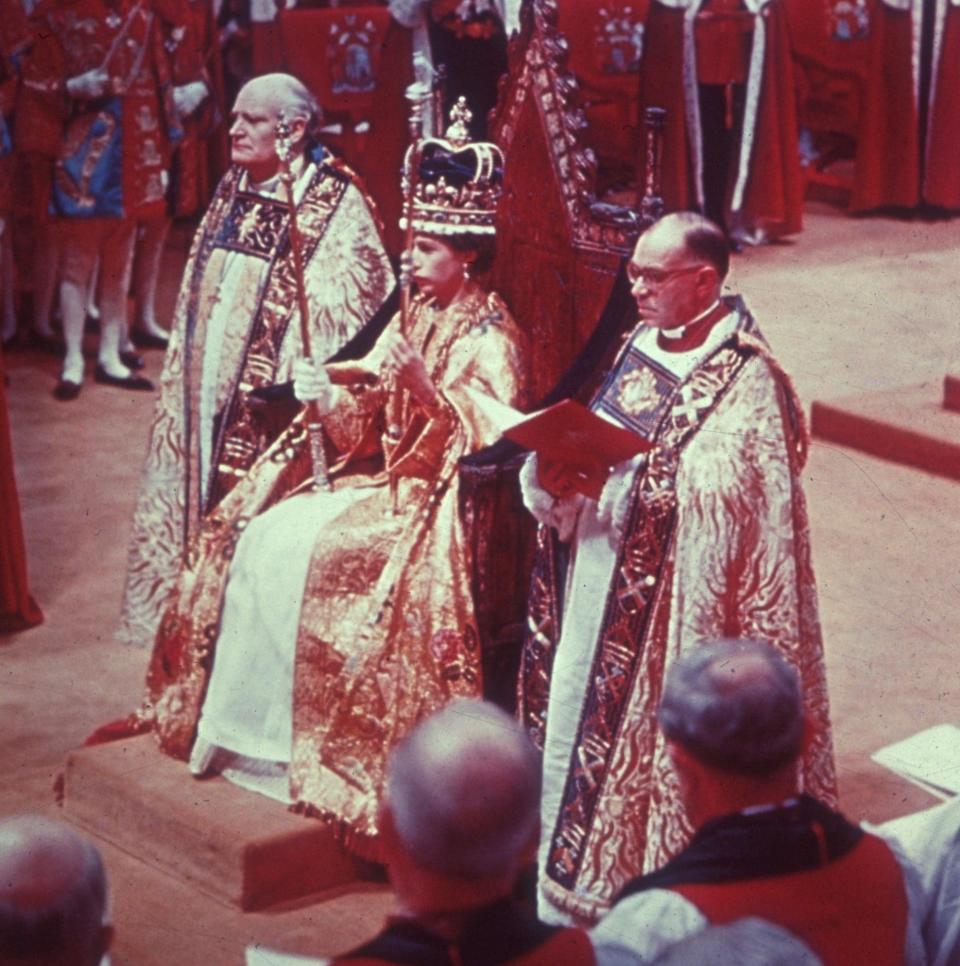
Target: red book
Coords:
[[568, 432]]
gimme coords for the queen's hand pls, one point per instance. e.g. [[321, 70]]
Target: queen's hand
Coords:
[[406, 366]]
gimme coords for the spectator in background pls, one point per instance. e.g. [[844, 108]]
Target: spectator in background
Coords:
[[459, 824], [103, 72], [732, 715], [191, 43], [724, 72], [53, 895]]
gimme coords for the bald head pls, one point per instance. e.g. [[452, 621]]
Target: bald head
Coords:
[[734, 705], [702, 241], [284, 93], [52, 894], [464, 791]]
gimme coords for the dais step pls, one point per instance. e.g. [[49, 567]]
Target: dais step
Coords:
[[232, 844]]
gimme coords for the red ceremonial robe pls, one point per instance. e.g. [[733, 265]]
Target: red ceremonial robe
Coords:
[[891, 168], [17, 608], [765, 199]]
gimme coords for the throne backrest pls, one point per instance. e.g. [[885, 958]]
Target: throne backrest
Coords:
[[558, 249]]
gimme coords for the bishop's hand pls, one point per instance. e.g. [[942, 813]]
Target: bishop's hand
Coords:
[[564, 477], [311, 384]]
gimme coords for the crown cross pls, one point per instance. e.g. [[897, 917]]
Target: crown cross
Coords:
[[458, 133]]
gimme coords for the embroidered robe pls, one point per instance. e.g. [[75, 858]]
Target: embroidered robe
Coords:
[[704, 536], [386, 631], [235, 330]]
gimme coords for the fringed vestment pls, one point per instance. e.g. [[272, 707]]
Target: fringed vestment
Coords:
[[205, 435], [708, 538]]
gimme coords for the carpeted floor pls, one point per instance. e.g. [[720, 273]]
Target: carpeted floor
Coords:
[[851, 305]]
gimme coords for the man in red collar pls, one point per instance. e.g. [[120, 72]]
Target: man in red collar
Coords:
[[732, 715], [459, 824], [703, 535]]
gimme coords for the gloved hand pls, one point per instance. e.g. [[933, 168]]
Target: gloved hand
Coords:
[[89, 85], [188, 97], [311, 384]]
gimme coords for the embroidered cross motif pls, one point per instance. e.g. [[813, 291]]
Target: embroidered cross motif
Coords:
[[632, 597]]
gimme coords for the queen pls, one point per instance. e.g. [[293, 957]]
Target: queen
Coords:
[[312, 629]]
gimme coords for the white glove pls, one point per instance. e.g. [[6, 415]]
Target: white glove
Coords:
[[561, 514], [89, 85], [614, 502], [311, 384], [188, 97]]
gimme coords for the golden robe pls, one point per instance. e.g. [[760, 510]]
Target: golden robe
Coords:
[[704, 536], [387, 631], [236, 330]]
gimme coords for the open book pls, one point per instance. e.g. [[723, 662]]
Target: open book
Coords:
[[930, 759], [567, 432]]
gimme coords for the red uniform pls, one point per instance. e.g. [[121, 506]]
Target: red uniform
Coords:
[[17, 607], [114, 154]]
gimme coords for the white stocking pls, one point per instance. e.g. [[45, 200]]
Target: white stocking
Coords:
[[151, 239]]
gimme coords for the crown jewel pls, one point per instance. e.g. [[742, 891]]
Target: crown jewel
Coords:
[[458, 181]]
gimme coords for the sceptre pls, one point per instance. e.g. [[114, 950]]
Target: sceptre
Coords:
[[417, 94], [284, 147]]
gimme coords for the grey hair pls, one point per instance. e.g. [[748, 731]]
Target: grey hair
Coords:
[[734, 705], [703, 239], [70, 922], [464, 791], [296, 101]]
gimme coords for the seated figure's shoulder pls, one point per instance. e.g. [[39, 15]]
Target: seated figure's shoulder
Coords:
[[493, 313]]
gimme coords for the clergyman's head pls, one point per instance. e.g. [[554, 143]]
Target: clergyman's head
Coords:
[[53, 895], [736, 706], [253, 124], [462, 804], [677, 269]]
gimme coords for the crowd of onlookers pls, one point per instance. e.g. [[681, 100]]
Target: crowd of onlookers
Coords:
[[769, 876]]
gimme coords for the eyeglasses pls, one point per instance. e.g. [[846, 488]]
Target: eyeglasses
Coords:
[[657, 277]]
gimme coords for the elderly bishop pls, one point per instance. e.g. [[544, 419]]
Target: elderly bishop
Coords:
[[236, 333]]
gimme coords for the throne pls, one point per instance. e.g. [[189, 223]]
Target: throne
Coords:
[[559, 266]]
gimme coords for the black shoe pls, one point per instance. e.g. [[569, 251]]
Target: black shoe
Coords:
[[66, 390], [132, 360], [147, 340], [122, 382]]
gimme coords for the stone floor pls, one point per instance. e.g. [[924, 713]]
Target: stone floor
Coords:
[[850, 306]]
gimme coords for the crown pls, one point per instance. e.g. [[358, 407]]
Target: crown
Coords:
[[458, 181]]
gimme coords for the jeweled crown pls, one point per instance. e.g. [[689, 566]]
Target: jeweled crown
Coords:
[[458, 182]]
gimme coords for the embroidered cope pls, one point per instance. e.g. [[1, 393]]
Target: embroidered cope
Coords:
[[704, 536], [236, 329], [359, 619]]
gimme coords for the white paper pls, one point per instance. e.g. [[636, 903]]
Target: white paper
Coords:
[[930, 759], [258, 956]]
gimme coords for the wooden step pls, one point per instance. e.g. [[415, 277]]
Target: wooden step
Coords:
[[907, 425], [232, 844]]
